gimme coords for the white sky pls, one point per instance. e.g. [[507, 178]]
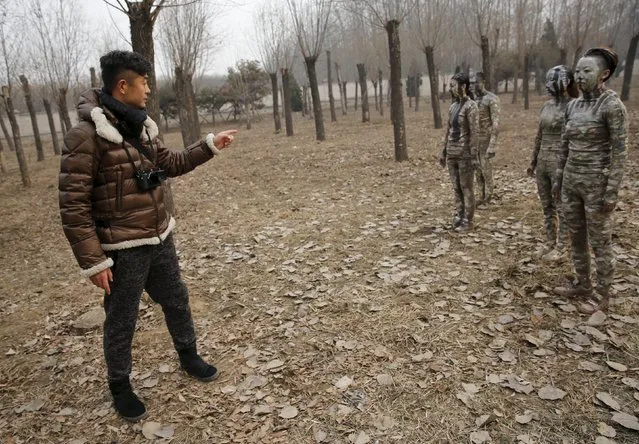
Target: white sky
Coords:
[[234, 23]]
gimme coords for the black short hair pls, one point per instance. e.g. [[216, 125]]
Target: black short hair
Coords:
[[480, 76], [463, 79], [114, 63]]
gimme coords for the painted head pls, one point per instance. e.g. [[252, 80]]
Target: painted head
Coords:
[[125, 75], [479, 84], [460, 86], [595, 67], [559, 81]]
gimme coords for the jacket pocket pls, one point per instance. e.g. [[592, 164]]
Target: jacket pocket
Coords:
[[118, 191]]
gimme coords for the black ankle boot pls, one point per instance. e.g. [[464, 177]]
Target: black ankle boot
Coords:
[[195, 366], [126, 403]]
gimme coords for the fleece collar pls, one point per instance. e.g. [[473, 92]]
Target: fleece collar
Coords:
[[105, 129]]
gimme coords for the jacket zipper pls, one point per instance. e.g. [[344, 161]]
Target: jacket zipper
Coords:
[[157, 217]]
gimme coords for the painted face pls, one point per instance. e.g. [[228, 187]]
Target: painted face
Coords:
[[456, 89], [135, 91], [479, 86], [589, 73], [557, 81]]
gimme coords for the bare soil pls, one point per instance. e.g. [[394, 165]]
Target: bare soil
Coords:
[[325, 277]]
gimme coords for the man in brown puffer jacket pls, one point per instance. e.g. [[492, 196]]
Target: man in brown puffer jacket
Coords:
[[114, 216]]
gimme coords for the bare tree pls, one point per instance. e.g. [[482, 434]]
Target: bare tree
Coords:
[[479, 25], [633, 19], [430, 23], [580, 18], [389, 14], [288, 60], [17, 140], [26, 88], [187, 44], [310, 21], [60, 47]]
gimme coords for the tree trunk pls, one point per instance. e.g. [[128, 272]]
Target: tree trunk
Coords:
[[627, 72], [194, 116], [418, 80], [381, 92], [563, 56], [276, 105], [342, 97], [526, 81], [63, 109], [54, 133], [575, 58], [363, 83], [141, 23], [516, 85], [506, 86], [288, 111], [3, 169], [331, 99], [304, 100], [5, 131], [485, 59], [247, 112], [62, 126], [434, 96], [94, 78], [34, 120], [538, 75], [17, 140], [345, 92], [315, 97], [356, 93], [184, 107], [374, 81], [397, 101]]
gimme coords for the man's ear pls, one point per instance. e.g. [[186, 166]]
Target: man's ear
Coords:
[[605, 74], [122, 86]]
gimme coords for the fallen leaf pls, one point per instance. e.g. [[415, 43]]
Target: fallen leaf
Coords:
[[597, 318], [32, 406], [164, 368], [274, 364], [471, 389], [524, 419], [591, 366], [604, 440], [149, 428], [228, 389], [320, 436], [485, 420], [518, 384], [422, 357], [150, 382], [551, 393], [464, 397], [524, 439], [360, 438], [384, 379], [608, 400], [617, 366], [288, 412], [384, 422], [343, 382], [606, 430], [507, 356], [480, 437], [631, 382], [165, 432], [263, 409], [626, 420]]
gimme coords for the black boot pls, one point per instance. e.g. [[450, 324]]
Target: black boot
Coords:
[[126, 403], [195, 366]]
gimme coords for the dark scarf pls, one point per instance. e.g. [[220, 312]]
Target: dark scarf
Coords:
[[130, 120]]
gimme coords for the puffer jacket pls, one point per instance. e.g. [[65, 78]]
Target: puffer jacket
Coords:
[[101, 207]]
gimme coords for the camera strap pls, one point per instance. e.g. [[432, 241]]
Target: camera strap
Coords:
[[141, 148]]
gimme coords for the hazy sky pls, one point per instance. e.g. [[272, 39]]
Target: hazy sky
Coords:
[[233, 23]]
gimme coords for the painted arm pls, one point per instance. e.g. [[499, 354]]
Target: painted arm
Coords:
[[473, 142], [617, 122], [495, 115]]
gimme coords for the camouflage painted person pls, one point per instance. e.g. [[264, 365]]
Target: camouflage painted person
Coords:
[[561, 87], [590, 170], [488, 108], [460, 150]]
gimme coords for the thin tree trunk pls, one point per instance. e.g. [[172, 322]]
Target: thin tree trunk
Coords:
[[288, 111], [418, 80], [64, 109], [356, 93], [315, 97], [276, 105], [374, 81], [5, 131], [54, 134], [345, 92], [526, 81], [516, 85], [179, 86], [381, 92], [434, 83], [94, 78], [247, 112], [485, 59], [34, 120], [304, 100], [363, 83], [341, 90], [3, 169], [627, 72], [17, 140], [191, 103], [563, 56], [62, 125], [331, 99], [506, 86], [397, 101]]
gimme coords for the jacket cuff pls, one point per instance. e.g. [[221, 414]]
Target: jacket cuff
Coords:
[[88, 272], [210, 138]]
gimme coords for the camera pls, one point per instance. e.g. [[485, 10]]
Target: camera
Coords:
[[149, 179]]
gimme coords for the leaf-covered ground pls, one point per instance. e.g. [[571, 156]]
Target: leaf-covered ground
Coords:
[[327, 287]]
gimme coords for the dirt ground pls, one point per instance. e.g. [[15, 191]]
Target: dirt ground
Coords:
[[327, 287]]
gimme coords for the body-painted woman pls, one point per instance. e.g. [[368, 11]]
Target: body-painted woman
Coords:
[[460, 152], [590, 170], [561, 87]]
